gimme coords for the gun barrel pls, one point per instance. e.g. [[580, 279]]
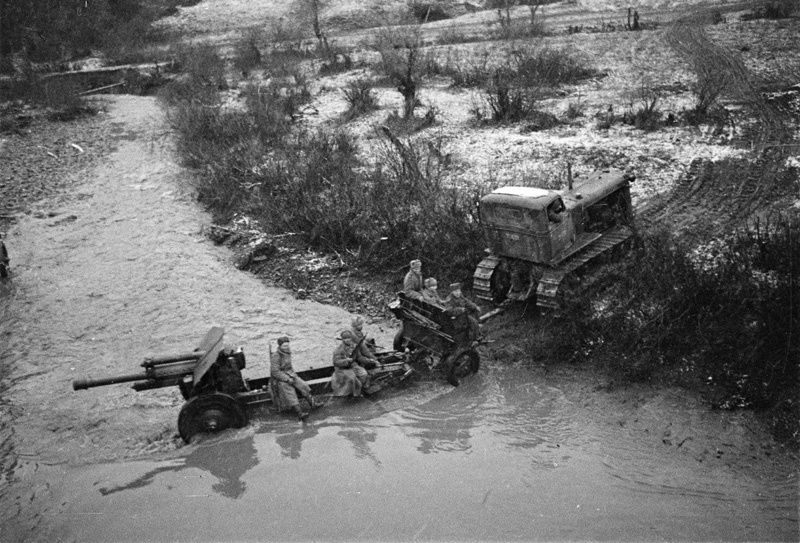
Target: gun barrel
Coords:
[[160, 360], [82, 384]]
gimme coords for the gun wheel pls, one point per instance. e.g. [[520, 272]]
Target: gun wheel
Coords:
[[462, 364], [210, 413]]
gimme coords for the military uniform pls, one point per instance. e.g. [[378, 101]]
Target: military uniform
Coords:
[[412, 285], [363, 355], [284, 384], [348, 377], [455, 304]]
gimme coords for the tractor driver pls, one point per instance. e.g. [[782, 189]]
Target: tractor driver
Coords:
[[284, 382], [555, 210]]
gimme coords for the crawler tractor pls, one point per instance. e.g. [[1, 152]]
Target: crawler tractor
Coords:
[[537, 238]]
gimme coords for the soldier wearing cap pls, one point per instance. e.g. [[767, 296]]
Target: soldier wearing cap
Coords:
[[348, 376], [284, 382], [412, 282], [456, 303], [363, 354], [431, 292]]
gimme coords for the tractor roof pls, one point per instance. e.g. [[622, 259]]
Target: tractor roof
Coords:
[[587, 190], [529, 197]]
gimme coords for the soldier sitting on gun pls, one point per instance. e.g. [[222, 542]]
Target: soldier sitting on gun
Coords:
[[363, 353], [412, 282], [456, 304], [348, 376], [430, 293], [284, 382]]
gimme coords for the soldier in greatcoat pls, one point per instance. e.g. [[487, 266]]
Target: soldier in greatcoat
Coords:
[[349, 378], [284, 382], [363, 353], [412, 282], [431, 292]]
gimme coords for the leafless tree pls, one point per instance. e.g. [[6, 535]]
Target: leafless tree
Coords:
[[401, 53], [313, 8]]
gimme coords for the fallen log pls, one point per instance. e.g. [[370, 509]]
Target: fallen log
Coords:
[[99, 89], [110, 70]]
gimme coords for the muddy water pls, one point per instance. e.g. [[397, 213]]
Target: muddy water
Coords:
[[121, 271]]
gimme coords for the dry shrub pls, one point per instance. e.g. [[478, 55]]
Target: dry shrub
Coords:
[[428, 12], [360, 98], [646, 115], [247, 52]]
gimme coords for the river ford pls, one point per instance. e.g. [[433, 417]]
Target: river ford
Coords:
[[121, 270]]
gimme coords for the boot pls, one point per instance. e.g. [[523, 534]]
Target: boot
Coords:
[[312, 403], [301, 416]]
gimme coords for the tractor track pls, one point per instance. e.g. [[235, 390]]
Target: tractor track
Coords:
[[713, 198]]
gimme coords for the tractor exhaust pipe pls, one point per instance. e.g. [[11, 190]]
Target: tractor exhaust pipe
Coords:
[[569, 175]]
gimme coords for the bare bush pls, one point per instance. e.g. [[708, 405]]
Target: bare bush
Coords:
[[360, 98], [527, 75], [774, 9], [247, 54], [428, 12], [507, 99], [712, 79], [575, 109], [644, 113]]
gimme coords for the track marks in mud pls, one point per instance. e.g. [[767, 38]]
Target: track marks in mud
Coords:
[[713, 198]]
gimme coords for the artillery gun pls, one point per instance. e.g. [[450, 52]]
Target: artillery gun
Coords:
[[431, 331], [217, 394], [536, 237]]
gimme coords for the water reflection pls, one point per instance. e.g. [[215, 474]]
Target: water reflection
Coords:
[[227, 460], [445, 423], [292, 443], [361, 438]]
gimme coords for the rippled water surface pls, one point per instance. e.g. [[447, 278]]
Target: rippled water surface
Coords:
[[498, 458]]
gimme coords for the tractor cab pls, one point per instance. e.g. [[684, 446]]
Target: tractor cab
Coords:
[[527, 223]]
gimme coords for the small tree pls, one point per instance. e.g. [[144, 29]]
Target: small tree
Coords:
[[313, 8], [533, 7], [400, 52]]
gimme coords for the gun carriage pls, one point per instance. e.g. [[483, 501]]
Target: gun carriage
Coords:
[[217, 395], [429, 330]]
